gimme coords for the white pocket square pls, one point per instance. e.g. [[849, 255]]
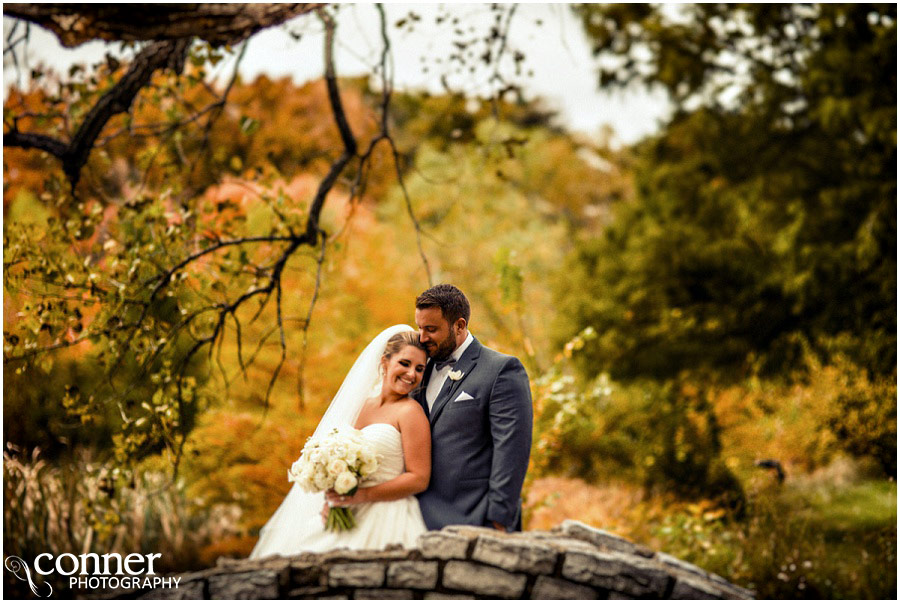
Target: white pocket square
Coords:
[[463, 396]]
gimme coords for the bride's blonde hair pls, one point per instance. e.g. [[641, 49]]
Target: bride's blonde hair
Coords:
[[399, 341]]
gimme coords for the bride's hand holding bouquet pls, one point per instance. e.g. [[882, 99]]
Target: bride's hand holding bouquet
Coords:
[[337, 462]]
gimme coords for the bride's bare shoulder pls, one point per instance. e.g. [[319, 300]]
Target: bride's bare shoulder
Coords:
[[410, 408]]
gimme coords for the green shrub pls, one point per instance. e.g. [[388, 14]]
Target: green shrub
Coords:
[[663, 437]]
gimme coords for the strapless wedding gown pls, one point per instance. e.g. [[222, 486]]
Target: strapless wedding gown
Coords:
[[296, 526]]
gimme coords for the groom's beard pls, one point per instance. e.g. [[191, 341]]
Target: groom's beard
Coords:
[[443, 350]]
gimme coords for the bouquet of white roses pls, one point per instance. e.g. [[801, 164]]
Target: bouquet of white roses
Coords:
[[339, 461]]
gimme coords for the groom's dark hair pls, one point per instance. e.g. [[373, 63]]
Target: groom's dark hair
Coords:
[[449, 299]]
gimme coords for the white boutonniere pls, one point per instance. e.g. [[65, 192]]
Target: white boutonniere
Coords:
[[455, 375]]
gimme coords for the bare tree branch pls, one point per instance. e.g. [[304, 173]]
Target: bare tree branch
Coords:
[[340, 118], [301, 396], [387, 89], [282, 343], [311, 237], [55, 346], [172, 25], [31, 140], [118, 99], [10, 48], [218, 24], [216, 111]]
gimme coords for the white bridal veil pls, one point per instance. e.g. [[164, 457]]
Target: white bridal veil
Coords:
[[362, 382], [279, 535]]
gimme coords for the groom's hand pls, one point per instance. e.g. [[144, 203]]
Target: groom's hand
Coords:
[[499, 526]]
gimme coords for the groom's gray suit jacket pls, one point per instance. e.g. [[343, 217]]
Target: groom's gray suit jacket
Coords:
[[479, 446]]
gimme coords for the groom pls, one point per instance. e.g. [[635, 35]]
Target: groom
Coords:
[[479, 404]]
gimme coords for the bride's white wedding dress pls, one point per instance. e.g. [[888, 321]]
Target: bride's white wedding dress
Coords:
[[297, 527]]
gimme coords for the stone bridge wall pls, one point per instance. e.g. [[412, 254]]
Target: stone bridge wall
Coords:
[[572, 561]]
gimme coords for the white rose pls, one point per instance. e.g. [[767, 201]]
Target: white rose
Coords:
[[368, 468], [336, 467], [321, 480], [296, 470], [352, 454], [345, 482], [308, 487]]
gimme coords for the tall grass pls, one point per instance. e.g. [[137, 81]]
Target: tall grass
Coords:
[[81, 507]]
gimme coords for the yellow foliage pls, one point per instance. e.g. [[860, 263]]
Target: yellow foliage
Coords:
[[554, 499], [798, 422]]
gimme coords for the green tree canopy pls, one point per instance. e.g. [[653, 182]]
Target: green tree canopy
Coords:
[[764, 218]]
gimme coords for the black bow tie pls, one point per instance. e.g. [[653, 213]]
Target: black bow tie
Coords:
[[439, 364]]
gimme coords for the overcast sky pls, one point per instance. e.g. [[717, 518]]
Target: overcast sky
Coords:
[[549, 36]]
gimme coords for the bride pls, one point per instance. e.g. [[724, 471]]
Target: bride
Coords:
[[374, 398]]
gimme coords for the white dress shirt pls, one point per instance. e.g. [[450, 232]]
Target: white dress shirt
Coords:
[[439, 377]]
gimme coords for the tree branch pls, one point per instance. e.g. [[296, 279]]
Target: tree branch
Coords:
[[116, 100], [340, 118], [311, 237], [312, 304], [31, 140], [218, 24], [387, 89]]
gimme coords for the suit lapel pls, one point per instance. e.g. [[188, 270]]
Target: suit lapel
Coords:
[[465, 364]]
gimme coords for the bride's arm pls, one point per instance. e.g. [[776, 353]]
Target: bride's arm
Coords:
[[415, 433]]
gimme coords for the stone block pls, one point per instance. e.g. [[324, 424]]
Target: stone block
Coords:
[[564, 543], [307, 592], [712, 576], [601, 538], [628, 574], [732, 591], [483, 580], [184, 592], [644, 551], [681, 565], [261, 584], [442, 596], [553, 588], [443, 545], [738, 592], [515, 555], [413, 574], [272, 562], [391, 594], [306, 574], [468, 531], [688, 586], [364, 575], [355, 556]]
